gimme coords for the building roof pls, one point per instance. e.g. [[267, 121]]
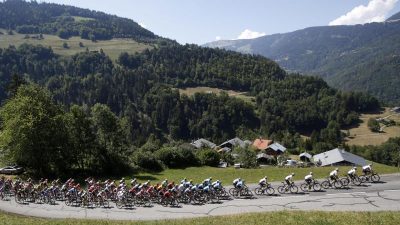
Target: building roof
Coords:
[[261, 144], [305, 154], [265, 156], [338, 155], [277, 147], [234, 142], [225, 149], [203, 143]]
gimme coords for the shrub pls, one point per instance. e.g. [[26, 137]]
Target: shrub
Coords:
[[147, 161], [373, 125], [208, 157], [247, 157], [176, 157]]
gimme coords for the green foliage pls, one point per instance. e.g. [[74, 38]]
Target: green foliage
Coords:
[[247, 157], [374, 125], [34, 131], [176, 157], [147, 161], [388, 153], [208, 157], [47, 18], [351, 58]]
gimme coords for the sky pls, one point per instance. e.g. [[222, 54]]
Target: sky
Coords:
[[202, 21]]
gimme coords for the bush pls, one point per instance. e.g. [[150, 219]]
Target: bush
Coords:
[[208, 157], [247, 157], [175, 157], [373, 125], [147, 161]]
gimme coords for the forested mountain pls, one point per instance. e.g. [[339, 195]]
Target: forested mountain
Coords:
[[87, 112], [359, 57], [394, 17], [66, 21]]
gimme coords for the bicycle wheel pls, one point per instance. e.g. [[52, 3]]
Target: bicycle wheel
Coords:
[[326, 184], [375, 178], [270, 190], [345, 181], [338, 184], [304, 187], [363, 179], [294, 189], [356, 181], [317, 186], [258, 191], [281, 189]]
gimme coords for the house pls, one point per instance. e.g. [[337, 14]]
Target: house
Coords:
[[269, 147], [396, 109], [305, 157], [261, 144], [203, 143], [275, 149], [264, 159], [338, 157], [235, 142]]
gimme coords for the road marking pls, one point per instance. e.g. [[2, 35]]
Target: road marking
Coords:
[[390, 190]]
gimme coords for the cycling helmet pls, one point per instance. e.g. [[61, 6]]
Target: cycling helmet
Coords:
[[292, 174], [311, 173], [355, 168], [265, 177], [337, 169]]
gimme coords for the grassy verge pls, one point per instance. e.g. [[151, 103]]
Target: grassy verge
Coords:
[[113, 47], [226, 175], [275, 218]]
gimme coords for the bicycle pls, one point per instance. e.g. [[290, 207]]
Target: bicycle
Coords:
[[372, 177], [314, 185], [329, 183], [292, 188], [355, 180], [264, 190]]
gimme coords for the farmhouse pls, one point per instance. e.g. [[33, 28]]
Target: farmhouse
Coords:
[[269, 147], [338, 157], [305, 157], [203, 143]]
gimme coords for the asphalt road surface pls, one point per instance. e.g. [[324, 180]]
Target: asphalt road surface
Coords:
[[383, 196]]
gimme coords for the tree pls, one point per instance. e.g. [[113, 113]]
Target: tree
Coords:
[[82, 139], [373, 125], [247, 157], [209, 157], [33, 132]]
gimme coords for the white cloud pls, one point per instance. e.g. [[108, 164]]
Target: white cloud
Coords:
[[218, 38], [142, 25], [249, 34], [375, 11]]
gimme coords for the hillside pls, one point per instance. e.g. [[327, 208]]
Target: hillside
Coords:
[[360, 57], [68, 21], [113, 47]]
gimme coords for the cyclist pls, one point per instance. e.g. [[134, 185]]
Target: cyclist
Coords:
[[164, 184], [352, 172], [334, 175], [207, 181], [184, 181], [217, 185], [309, 178], [289, 179], [236, 181], [367, 169], [263, 182], [240, 184]]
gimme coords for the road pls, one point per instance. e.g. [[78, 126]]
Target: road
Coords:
[[370, 197]]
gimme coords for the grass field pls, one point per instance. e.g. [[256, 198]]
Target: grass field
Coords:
[[113, 47], [362, 135], [227, 175], [241, 95], [275, 218]]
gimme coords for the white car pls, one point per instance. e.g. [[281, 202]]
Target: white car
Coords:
[[290, 162], [11, 170]]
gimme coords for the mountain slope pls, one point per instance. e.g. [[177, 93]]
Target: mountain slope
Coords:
[[347, 57], [67, 21]]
